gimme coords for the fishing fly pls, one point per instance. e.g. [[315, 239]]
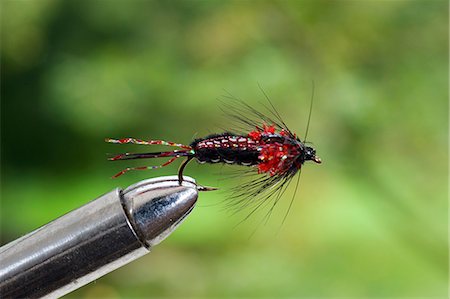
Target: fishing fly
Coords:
[[263, 143]]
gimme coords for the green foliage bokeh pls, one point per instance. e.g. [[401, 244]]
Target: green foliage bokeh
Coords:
[[371, 221]]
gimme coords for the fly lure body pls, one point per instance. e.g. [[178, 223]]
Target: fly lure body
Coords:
[[263, 143], [271, 152]]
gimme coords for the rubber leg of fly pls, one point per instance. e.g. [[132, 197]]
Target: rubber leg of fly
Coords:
[[130, 156], [144, 167], [147, 142], [182, 166]]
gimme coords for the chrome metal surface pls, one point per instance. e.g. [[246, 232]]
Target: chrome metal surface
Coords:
[[94, 239], [157, 207]]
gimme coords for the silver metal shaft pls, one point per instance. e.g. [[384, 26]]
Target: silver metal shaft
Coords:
[[94, 239]]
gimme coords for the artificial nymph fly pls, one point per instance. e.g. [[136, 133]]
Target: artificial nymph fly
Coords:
[[264, 144], [272, 152]]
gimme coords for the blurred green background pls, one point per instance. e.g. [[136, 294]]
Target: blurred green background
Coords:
[[371, 221]]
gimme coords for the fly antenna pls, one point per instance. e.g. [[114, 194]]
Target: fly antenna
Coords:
[[274, 111], [310, 110]]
